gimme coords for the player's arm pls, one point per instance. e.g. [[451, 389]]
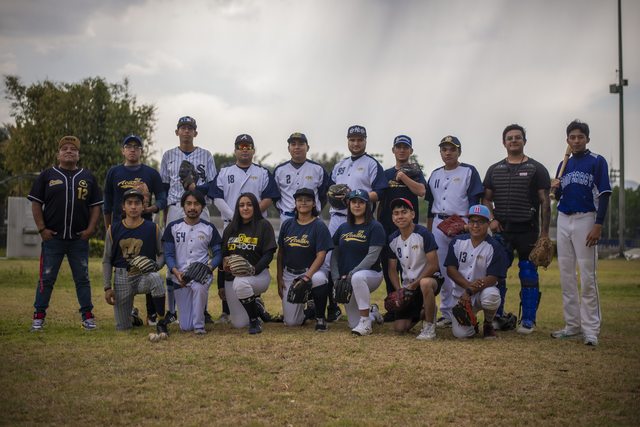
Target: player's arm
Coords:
[[458, 278], [545, 211], [335, 273], [264, 204], [316, 264], [159, 248], [367, 262], [107, 268], [393, 273], [417, 188], [38, 218], [487, 200], [429, 269], [279, 272]]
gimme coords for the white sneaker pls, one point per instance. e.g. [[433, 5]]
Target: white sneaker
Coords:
[[591, 340], [375, 315], [199, 331], [443, 322], [428, 332], [223, 319], [37, 325], [564, 333], [526, 328], [363, 328]]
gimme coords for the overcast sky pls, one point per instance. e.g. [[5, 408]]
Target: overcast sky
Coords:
[[422, 68]]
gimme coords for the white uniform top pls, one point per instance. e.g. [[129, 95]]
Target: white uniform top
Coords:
[[453, 191], [289, 179], [363, 172], [411, 253], [233, 181], [200, 158]]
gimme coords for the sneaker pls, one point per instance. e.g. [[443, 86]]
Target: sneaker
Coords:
[[262, 310], [89, 323], [152, 320], [591, 340], [488, 331], [37, 324], [161, 327], [207, 317], [389, 317], [136, 320], [171, 317], [526, 327], [199, 331], [375, 314], [333, 313], [321, 325], [223, 319], [443, 323], [363, 327], [564, 333], [255, 327], [428, 332]]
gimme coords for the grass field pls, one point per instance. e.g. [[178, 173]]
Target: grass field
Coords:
[[285, 376]]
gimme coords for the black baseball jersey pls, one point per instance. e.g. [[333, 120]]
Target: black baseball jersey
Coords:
[[67, 197], [397, 189], [301, 243], [251, 241]]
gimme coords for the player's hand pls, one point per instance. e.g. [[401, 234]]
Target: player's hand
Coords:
[[86, 234], [594, 235], [400, 176], [555, 184], [477, 285], [495, 226], [178, 275], [225, 264], [221, 294], [47, 234], [464, 298], [110, 296]]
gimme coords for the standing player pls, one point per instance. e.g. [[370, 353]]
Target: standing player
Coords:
[[188, 240], [414, 248], [133, 174], [359, 171], [453, 188], [356, 256], [202, 160], [303, 245], [517, 192], [250, 236], [65, 202], [475, 262], [401, 185], [583, 192], [299, 172], [126, 239]]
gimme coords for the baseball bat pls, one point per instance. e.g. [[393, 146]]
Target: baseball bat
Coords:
[[567, 154]]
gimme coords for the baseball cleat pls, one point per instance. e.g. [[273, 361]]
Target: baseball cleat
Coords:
[[200, 332], [37, 324], [428, 332], [309, 310], [154, 337], [443, 322], [590, 340], [255, 327], [152, 320], [171, 317], [207, 317], [564, 333], [488, 331], [136, 320], [89, 324], [363, 328], [161, 327], [375, 314], [262, 310], [223, 319]]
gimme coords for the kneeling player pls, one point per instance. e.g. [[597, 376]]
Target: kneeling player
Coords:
[[475, 262], [187, 241], [125, 243], [415, 248]]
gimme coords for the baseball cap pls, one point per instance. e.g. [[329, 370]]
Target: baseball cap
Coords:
[[69, 140], [401, 202], [402, 139], [297, 136], [359, 194], [132, 192], [449, 139], [244, 139], [357, 130], [187, 121], [304, 192], [479, 210], [132, 138]]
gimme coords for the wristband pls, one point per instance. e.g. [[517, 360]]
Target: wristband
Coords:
[[469, 291]]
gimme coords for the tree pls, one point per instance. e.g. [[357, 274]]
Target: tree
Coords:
[[100, 114], [632, 222]]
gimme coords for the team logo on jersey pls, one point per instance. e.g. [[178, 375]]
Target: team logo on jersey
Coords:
[[55, 182], [457, 179], [242, 241], [395, 184], [130, 184], [298, 242], [308, 177], [354, 237], [253, 177], [202, 172], [360, 169], [130, 247], [83, 184]]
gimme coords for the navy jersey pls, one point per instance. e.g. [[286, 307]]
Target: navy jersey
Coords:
[[486, 259], [128, 243], [121, 178], [67, 198], [397, 189], [354, 241], [301, 243], [585, 177], [410, 253]]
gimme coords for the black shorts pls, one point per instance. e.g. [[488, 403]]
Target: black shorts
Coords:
[[413, 310]]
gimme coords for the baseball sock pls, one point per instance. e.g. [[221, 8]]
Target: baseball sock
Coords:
[[250, 306], [158, 303], [320, 294], [151, 309]]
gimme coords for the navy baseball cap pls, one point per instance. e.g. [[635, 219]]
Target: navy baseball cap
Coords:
[[450, 140], [133, 192], [187, 121], [244, 139], [479, 210], [359, 194], [357, 131], [401, 202], [297, 136], [304, 192], [132, 138], [402, 139]]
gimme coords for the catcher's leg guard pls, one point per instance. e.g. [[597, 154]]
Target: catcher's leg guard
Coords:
[[502, 287], [530, 292]]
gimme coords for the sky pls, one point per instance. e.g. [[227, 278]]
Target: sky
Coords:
[[426, 69]]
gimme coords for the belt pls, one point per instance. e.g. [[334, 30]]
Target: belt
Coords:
[[339, 214], [296, 271], [289, 214], [574, 213], [443, 216]]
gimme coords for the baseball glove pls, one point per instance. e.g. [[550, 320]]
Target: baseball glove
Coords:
[[412, 170], [337, 194], [197, 271], [452, 226], [141, 265], [542, 252], [464, 314], [299, 291], [507, 322], [142, 187], [239, 266], [188, 174], [342, 290], [398, 300]]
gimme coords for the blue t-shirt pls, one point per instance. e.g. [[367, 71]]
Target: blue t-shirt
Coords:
[[353, 242], [585, 178], [301, 243]]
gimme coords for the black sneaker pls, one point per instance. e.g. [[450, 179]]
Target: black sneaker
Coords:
[[321, 325], [262, 311], [152, 319], [333, 313], [207, 317], [161, 327], [136, 320], [170, 317], [255, 327]]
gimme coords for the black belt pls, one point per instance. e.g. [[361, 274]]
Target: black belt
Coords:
[[574, 213], [294, 271], [443, 216], [339, 214]]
